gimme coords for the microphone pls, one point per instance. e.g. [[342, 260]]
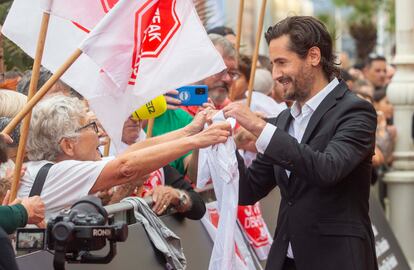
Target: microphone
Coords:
[[152, 109]]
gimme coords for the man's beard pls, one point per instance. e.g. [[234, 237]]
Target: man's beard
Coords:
[[300, 87], [218, 96]]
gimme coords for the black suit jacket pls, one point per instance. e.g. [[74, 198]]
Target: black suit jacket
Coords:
[[324, 206]]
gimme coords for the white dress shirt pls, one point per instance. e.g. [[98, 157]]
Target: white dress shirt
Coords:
[[297, 127]]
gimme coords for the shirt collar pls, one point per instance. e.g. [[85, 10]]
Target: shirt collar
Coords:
[[313, 103]]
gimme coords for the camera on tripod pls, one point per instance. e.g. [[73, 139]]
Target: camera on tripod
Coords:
[[74, 233]]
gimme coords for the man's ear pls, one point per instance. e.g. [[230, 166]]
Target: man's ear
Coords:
[[314, 56], [67, 145]]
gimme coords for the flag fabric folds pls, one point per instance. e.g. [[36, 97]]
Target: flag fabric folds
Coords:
[[147, 48], [22, 26], [133, 50]]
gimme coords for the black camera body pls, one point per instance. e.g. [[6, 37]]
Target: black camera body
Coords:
[[77, 231]]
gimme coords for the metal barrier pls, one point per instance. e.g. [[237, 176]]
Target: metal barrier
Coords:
[[138, 252]]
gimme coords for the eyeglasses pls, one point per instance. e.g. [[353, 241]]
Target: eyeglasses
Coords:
[[234, 74], [93, 125]]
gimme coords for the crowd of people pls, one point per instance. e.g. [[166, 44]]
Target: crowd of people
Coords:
[[66, 139]]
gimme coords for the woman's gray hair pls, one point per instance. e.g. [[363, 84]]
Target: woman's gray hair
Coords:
[[53, 118], [11, 102], [228, 49]]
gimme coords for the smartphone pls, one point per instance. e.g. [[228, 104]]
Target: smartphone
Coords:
[[29, 239], [192, 95]]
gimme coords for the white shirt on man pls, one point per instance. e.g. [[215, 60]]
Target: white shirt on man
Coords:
[[297, 127]]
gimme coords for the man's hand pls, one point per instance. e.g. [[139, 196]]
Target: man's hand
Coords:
[[105, 196], [214, 134], [245, 117], [130, 131], [35, 209], [245, 140], [208, 105], [197, 124], [163, 197], [172, 103]]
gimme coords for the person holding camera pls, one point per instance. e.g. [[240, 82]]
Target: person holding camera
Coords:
[[62, 135]]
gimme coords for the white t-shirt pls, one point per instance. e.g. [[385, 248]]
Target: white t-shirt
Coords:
[[66, 182]]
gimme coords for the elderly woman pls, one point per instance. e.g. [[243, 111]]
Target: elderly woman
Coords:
[[61, 134]]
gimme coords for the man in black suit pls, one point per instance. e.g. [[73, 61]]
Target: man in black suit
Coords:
[[318, 152]]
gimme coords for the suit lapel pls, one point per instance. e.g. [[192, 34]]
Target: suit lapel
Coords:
[[284, 120], [330, 101]]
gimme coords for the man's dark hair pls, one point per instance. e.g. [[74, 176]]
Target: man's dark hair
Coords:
[[359, 65], [373, 58], [304, 33], [265, 62], [344, 75], [23, 85], [44, 76], [245, 66], [221, 30], [12, 74], [379, 95]]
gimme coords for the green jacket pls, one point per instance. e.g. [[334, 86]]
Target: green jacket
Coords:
[[12, 217]]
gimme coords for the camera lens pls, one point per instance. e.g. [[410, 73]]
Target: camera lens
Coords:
[[200, 91]]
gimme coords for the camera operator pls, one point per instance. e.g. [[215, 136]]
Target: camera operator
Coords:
[[62, 134]]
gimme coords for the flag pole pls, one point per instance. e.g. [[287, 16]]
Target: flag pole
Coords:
[[42, 91], [32, 90], [256, 53], [150, 127], [238, 40], [106, 149], [239, 28]]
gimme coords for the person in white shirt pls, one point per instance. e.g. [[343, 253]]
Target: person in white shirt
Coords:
[[62, 134]]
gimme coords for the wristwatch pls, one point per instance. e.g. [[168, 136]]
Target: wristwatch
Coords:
[[183, 198]]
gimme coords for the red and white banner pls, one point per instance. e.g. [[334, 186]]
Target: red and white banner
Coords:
[[255, 228], [147, 48], [243, 259], [137, 51], [155, 179]]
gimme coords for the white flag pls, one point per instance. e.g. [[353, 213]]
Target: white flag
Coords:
[[122, 46], [22, 26], [84, 13], [148, 47]]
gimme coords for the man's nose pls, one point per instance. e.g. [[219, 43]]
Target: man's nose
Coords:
[[276, 73]]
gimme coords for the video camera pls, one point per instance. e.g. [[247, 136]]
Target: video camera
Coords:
[[74, 233]]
